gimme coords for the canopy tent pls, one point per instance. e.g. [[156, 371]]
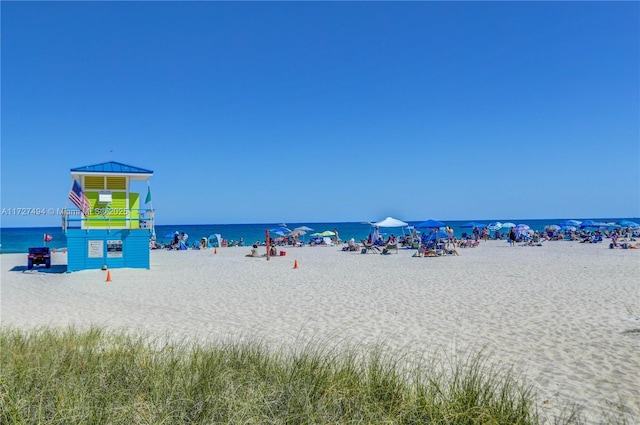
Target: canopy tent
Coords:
[[390, 222], [374, 234]]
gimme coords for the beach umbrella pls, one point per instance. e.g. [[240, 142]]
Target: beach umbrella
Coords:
[[304, 228], [627, 223], [473, 224], [508, 225], [437, 235], [326, 233], [280, 229], [552, 227], [496, 225], [570, 223], [300, 231], [521, 227], [430, 224], [595, 224]]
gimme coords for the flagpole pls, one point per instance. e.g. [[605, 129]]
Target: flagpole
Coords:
[[65, 214], [153, 218]]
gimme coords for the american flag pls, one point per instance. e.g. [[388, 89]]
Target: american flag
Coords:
[[79, 199]]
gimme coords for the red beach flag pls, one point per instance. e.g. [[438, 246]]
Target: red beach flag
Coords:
[[48, 238]]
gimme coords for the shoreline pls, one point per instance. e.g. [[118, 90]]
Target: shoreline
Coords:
[[565, 314]]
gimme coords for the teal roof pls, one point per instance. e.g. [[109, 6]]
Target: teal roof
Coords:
[[111, 167]]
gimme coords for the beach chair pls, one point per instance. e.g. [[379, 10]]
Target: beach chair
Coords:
[[369, 247], [390, 247]]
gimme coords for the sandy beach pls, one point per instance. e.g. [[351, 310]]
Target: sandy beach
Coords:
[[566, 315]]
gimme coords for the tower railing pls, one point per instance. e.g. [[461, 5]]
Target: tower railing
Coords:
[[133, 218]]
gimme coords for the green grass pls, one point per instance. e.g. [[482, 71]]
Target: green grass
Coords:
[[94, 377]]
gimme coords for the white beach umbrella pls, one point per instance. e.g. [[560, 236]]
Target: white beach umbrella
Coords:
[[304, 228], [495, 226], [508, 225]]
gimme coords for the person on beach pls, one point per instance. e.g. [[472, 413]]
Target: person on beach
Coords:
[[254, 251], [512, 237]]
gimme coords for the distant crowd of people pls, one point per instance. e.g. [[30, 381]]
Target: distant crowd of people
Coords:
[[622, 237]]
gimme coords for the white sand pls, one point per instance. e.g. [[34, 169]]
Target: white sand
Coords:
[[565, 314]]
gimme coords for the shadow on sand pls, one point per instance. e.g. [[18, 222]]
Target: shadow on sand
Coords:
[[55, 268]]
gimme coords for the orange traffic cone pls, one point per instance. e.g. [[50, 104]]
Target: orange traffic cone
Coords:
[[215, 250], [108, 276], [295, 264]]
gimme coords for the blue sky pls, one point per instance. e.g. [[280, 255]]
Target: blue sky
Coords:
[[262, 112]]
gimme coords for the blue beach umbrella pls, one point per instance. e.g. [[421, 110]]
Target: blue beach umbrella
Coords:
[[473, 224], [595, 224], [430, 224], [573, 223], [437, 235], [279, 230], [627, 223]]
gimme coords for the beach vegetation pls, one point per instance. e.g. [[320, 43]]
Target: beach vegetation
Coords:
[[97, 377]]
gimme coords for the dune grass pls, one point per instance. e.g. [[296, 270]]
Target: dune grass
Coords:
[[94, 377]]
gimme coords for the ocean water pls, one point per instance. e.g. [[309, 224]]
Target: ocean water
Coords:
[[18, 240]]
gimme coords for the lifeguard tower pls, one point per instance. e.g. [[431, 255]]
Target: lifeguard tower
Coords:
[[107, 227]]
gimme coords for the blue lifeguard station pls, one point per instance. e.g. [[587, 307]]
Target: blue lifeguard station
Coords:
[[107, 226]]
